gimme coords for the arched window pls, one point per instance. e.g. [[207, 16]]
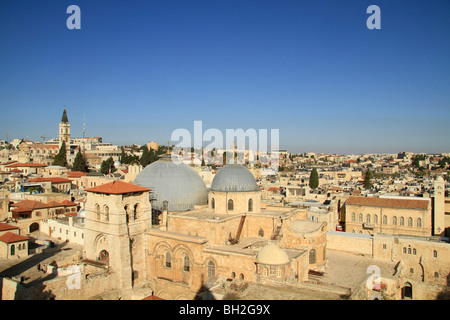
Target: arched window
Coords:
[[187, 263], [419, 223], [213, 203], [353, 217], [97, 212], [278, 272], [103, 256], [106, 213], [261, 232], [230, 205], [211, 269], [360, 217], [402, 221], [410, 222], [250, 205], [394, 220], [127, 213], [434, 254], [168, 260], [368, 218], [241, 276], [375, 219], [409, 250], [136, 211], [384, 219], [414, 251], [233, 275], [312, 256], [19, 246]]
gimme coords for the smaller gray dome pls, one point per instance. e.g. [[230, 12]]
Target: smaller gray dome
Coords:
[[234, 178]]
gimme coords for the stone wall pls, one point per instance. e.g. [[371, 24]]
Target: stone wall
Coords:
[[350, 242]]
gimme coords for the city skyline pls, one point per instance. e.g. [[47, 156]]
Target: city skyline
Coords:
[[136, 72]]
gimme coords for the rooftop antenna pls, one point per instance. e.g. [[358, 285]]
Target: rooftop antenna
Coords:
[[84, 132], [43, 138]]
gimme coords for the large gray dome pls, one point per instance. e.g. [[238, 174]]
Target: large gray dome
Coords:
[[179, 184], [234, 178]]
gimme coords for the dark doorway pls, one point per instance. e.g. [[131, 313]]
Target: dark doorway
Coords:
[[34, 227], [407, 291]]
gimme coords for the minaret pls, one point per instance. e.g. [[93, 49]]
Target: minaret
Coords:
[[64, 130]]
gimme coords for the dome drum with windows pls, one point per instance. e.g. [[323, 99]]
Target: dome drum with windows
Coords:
[[234, 191]]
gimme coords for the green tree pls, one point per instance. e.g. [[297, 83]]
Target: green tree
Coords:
[[79, 164], [314, 179], [368, 179], [145, 158], [123, 156], [61, 158], [107, 166]]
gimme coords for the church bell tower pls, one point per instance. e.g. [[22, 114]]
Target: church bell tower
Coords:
[[64, 130]]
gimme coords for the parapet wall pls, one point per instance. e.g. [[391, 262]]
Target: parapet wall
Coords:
[[350, 242]]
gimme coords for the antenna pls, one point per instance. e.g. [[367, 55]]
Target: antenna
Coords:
[[43, 138], [84, 132]]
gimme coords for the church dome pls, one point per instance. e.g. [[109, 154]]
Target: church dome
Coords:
[[177, 183], [272, 254], [234, 178]]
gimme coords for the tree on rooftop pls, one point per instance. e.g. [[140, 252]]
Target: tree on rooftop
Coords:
[[314, 179], [61, 158]]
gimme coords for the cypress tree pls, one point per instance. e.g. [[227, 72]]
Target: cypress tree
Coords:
[[314, 179], [368, 179], [79, 164], [61, 158]]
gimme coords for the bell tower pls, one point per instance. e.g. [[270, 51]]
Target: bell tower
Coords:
[[118, 214], [439, 206], [64, 130]]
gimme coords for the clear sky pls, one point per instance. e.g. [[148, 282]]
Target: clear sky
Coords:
[[138, 70]]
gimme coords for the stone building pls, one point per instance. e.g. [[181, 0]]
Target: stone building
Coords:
[[182, 241], [399, 215], [388, 215]]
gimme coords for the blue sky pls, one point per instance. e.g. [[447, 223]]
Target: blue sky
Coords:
[[312, 69]]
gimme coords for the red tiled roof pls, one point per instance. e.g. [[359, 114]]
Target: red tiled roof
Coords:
[[76, 174], [65, 203], [5, 226], [29, 205], [10, 237], [71, 214], [8, 163], [389, 202], [52, 180], [117, 187], [15, 165]]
